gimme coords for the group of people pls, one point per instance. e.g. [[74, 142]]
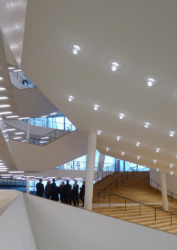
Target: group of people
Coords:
[[64, 193]]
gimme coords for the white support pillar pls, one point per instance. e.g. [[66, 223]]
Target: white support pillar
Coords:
[[100, 162], [90, 170], [28, 130], [164, 191], [27, 185]]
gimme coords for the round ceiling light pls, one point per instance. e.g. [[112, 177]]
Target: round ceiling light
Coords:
[[76, 49], [150, 81]]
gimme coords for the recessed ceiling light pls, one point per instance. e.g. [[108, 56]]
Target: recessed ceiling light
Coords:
[[114, 66], [19, 133], [1, 78], [11, 67], [176, 155], [138, 157], [76, 49], [154, 161], [150, 81], [107, 149], [53, 113], [121, 116], [2, 88], [4, 105], [10, 129], [11, 116], [5, 113], [171, 173], [122, 153], [3, 97], [171, 165], [146, 124], [70, 98], [17, 138], [45, 137], [157, 169], [99, 132], [171, 133], [17, 70], [96, 107], [138, 144], [157, 150], [118, 138]]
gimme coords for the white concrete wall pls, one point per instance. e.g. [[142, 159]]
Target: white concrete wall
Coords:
[[171, 181], [59, 226], [15, 228]]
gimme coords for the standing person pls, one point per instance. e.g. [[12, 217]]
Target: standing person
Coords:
[[75, 193], [54, 191], [48, 190], [82, 193], [62, 195], [67, 190], [40, 188]]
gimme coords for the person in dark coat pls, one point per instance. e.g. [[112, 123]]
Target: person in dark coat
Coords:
[[62, 195], [75, 194], [48, 190], [40, 188], [82, 193], [67, 192], [54, 191]]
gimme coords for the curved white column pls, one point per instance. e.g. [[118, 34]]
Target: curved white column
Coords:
[[164, 190], [27, 185], [90, 170]]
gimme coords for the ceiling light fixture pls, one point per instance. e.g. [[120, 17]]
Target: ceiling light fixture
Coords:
[[146, 124], [122, 153], [19, 133], [138, 144], [4, 106], [9, 129], [171, 173], [157, 150], [138, 157], [96, 107], [5, 113], [157, 169], [12, 116], [171, 165], [2, 88], [1, 78], [70, 98], [107, 149], [154, 161], [114, 66], [76, 49], [3, 97], [150, 81], [23, 118], [99, 132], [171, 133], [118, 138], [17, 138], [121, 116], [53, 113]]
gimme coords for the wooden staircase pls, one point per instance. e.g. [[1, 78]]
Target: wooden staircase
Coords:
[[136, 188]]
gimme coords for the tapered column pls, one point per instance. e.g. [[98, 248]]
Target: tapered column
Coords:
[[100, 162], [28, 130], [164, 191], [90, 170], [27, 185]]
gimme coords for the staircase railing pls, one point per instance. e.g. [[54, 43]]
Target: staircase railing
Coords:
[[171, 194], [45, 139], [140, 207], [104, 172], [115, 181]]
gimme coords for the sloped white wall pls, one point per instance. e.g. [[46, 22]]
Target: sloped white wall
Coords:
[[30, 157], [15, 228], [170, 179], [59, 226]]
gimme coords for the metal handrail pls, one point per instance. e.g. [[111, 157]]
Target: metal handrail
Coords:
[[56, 133], [141, 203], [110, 185], [158, 185], [102, 171]]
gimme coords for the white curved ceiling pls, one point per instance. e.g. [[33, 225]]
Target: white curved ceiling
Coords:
[[142, 36]]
